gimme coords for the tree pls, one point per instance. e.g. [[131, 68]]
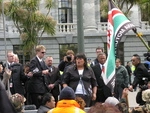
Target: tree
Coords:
[[29, 21], [145, 10], [124, 5]]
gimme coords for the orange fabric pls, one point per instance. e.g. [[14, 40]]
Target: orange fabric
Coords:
[[66, 106]]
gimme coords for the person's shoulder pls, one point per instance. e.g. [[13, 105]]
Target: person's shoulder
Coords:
[[95, 66], [42, 109], [33, 58], [16, 65], [51, 110]]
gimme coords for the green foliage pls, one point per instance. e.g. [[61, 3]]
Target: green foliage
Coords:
[[125, 6], [29, 21], [145, 10]]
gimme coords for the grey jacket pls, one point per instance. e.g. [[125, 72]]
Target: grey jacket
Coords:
[[122, 77], [43, 109]]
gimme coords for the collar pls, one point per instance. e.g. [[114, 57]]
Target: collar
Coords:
[[9, 63], [67, 103], [101, 65], [39, 59]]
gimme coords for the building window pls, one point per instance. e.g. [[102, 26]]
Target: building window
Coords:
[[103, 10], [145, 11], [22, 58], [64, 47], [119, 51], [65, 11]]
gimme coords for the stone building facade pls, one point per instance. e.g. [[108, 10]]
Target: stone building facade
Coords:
[[66, 31]]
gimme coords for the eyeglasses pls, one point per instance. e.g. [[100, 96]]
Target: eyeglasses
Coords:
[[43, 52]]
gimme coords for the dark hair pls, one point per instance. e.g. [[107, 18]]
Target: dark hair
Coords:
[[137, 56], [82, 55], [99, 48], [128, 62], [46, 98], [101, 54]]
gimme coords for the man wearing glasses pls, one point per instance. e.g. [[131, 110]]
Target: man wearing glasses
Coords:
[[37, 85], [140, 73]]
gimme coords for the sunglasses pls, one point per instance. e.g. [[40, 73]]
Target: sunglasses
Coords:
[[43, 52]]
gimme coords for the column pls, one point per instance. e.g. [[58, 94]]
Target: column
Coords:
[[89, 15]]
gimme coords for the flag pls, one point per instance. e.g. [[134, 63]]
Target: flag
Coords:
[[118, 25]]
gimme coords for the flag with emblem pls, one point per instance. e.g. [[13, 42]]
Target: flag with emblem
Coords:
[[118, 25]]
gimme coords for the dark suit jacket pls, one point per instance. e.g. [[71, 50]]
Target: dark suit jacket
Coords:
[[140, 72], [17, 78], [129, 70], [54, 78], [37, 83], [102, 90]]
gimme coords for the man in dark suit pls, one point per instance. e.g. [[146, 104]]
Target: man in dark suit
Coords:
[[102, 90], [140, 72], [54, 77], [37, 84], [17, 75]]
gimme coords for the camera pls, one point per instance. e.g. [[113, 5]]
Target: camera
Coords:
[[143, 87], [147, 55], [68, 58]]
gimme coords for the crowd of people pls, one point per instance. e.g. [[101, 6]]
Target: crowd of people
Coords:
[[76, 83]]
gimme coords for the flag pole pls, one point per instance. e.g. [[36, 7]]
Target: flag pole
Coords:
[[4, 31], [141, 38]]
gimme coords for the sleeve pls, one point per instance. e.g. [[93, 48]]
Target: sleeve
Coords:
[[138, 77], [34, 68], [58, 81], [126, 77], [139, 98], [61, 66], [22, 75], [66, 77], [93, 79]]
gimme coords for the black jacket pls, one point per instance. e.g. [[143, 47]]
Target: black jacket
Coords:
[[37, 83], [140, 72], [103, 92], [72, 77], [17, 78], [63, 65], [54, 78]]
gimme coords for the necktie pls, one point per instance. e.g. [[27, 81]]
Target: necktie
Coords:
[[103, 68], [42, 64]]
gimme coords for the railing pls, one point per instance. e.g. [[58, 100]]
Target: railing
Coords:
[[72, 27], [145, 25], [102, 26], [66, 27]]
